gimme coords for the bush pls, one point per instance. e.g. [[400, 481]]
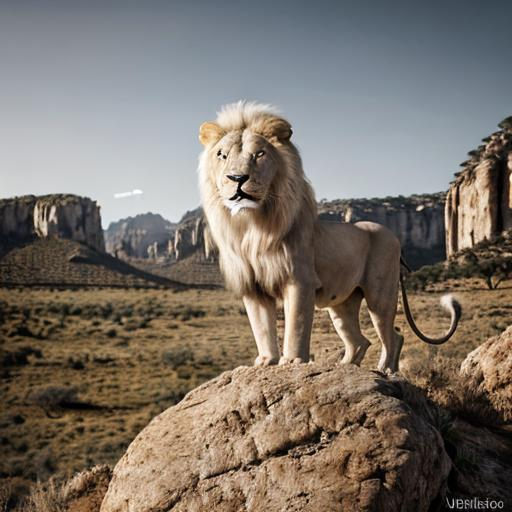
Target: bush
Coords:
[[53, 397], [177, 357], [506, 124]]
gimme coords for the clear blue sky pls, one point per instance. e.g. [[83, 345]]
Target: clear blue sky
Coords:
[[385, 97]]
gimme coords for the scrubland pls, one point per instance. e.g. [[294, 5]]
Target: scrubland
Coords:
[[83, 371]]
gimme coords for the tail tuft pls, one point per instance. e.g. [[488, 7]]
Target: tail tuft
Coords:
[[451, 304]]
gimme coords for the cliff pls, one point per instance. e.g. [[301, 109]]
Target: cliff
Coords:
[[191, 236], [65, 216], [479, 201], [135, 237], [417, 220]]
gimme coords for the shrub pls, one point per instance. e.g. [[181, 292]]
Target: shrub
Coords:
[[177, 357], [53, 397]]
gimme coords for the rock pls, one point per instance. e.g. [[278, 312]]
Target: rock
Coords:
[[69, 217], [66, 216], [306, 438], [488, 372], [152, 251], [479, 201], [417, 220], [16, 218], [482, 461], [189, 237], [132, 237]]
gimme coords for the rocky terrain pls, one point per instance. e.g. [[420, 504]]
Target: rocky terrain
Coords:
[[57, 240], [135, 237], [55, 216], [479, 201], [320, 437]]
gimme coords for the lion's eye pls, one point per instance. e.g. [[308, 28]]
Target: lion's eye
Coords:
[[260, 153], [221, 155]]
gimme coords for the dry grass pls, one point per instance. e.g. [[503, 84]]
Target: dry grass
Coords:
[[84, 371]]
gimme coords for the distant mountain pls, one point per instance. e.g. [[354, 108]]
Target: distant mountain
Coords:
[[133, 236]]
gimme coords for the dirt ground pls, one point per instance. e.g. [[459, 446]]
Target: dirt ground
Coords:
[[83, 371]]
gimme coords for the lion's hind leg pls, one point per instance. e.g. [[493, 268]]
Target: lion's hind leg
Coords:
[[383, 319], [345, 318]]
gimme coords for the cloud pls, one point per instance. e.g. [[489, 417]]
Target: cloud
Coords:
[[134, 192]]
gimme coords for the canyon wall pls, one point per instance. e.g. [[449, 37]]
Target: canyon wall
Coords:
[[479, 201], [65, 216]]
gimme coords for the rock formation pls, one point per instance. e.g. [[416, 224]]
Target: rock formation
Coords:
[[479, 201], [53, 216], [308, 438], [417, 220], [131, 237], [190, 237], [488, 372]]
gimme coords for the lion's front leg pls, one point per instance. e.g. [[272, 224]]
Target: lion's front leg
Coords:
[[299, 307], [262, 317]]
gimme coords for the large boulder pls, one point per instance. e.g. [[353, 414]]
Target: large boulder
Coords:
[[488, 373], [309, 437]]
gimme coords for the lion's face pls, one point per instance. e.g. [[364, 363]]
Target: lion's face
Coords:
[[244, 163]]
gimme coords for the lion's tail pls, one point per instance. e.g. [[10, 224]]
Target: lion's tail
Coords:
[[447, 301]]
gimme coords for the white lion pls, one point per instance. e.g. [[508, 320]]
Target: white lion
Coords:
[[262, 215]]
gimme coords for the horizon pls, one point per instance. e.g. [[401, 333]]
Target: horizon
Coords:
[[105, 100]]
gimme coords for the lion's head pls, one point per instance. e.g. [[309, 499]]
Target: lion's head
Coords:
[[253, 188], [245, 150]]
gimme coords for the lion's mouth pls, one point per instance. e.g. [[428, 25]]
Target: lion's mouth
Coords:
[[240, 199], [240, 194], [238, 202]]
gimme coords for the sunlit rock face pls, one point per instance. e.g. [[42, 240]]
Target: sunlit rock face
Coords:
[[52, 216], [479, 201]]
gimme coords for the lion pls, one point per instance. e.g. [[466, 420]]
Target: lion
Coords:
[[262, 216]]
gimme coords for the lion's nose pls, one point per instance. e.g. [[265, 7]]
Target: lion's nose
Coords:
[[238, 178]]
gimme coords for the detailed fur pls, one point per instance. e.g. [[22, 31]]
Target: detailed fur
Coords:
[[262, 217]]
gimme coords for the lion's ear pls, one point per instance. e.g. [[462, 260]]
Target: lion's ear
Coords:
[[277, 129], [209, 133]]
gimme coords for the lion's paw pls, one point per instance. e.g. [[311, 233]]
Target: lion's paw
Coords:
[[286, 360], [265, 361]]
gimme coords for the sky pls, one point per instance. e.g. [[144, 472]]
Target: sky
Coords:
[[385, 98]]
